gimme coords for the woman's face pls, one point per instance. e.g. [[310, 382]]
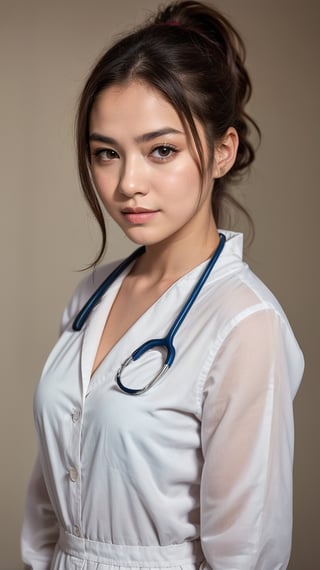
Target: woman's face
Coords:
[[143, 167]]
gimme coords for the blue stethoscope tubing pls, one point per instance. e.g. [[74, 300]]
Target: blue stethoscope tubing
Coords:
[[163, 343]]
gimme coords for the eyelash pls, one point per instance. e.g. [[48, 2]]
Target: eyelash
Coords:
[[170, 147], [99, 152]]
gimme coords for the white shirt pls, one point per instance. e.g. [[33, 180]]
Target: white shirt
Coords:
[[198, 470]]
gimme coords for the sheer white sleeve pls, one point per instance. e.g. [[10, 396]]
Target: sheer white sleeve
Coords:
[[40, 528], [247, 438]]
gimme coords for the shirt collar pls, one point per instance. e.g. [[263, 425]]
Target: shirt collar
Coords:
[[233, 245]]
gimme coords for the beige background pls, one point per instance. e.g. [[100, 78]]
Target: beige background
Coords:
[[46, 50]]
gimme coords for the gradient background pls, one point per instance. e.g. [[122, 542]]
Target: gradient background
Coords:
[[46, 50]]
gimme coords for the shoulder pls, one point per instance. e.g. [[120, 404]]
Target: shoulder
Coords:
[[243, 296], [234, 290], [84, 290], [245, 319]]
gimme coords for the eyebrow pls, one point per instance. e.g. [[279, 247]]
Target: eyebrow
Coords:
[[146, 137]]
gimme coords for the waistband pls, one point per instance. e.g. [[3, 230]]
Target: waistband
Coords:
[[184, 554]]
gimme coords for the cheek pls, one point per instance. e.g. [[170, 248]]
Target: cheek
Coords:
[[183, 179], [103, 184], [187, 185]]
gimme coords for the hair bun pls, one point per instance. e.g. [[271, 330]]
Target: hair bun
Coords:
[[193, 56]]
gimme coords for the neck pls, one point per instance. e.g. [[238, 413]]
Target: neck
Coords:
[[173, 258]]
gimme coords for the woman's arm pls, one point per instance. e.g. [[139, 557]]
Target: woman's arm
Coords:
[[40, 530], [247, 438]]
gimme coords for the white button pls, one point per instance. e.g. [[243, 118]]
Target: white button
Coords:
[[76, 530], [73, 474], [76, 415]]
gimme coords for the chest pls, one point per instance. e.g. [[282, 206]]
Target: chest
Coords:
[[109, 424], [131, 302], [67, 382]]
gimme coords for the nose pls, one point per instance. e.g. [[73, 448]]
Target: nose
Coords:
[[133, 178]]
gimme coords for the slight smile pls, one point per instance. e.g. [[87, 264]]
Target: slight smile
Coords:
[[138, 215]]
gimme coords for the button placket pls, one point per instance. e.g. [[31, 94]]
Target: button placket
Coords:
[[76, 531], [74, 470], [76, 414], [73, 474]]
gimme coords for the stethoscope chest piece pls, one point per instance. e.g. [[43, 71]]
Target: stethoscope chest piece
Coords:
[[138, 391]]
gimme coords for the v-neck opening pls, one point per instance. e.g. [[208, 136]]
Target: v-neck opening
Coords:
[[117, 285]]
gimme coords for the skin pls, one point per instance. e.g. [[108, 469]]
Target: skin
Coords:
[[130, 172], [146, 174]]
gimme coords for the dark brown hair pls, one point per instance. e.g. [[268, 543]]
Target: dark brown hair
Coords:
[[193, 56]]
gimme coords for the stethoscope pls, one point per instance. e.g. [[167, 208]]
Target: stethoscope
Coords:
[[166, 342]]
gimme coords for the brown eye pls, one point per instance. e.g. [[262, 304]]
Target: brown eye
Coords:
[[163, 151], [105, 154]]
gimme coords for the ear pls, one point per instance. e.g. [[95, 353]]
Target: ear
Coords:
[[225, 153]]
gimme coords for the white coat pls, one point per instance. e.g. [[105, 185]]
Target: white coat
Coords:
[[197, 471]]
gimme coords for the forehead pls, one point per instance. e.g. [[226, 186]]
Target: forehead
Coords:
[[134, 105]]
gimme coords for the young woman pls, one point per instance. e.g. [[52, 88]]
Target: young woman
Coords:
[[180, 456]]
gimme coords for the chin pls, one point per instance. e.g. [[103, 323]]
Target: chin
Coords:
[[141, 237]]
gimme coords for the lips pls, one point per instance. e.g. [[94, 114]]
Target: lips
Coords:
[[138, 215]]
